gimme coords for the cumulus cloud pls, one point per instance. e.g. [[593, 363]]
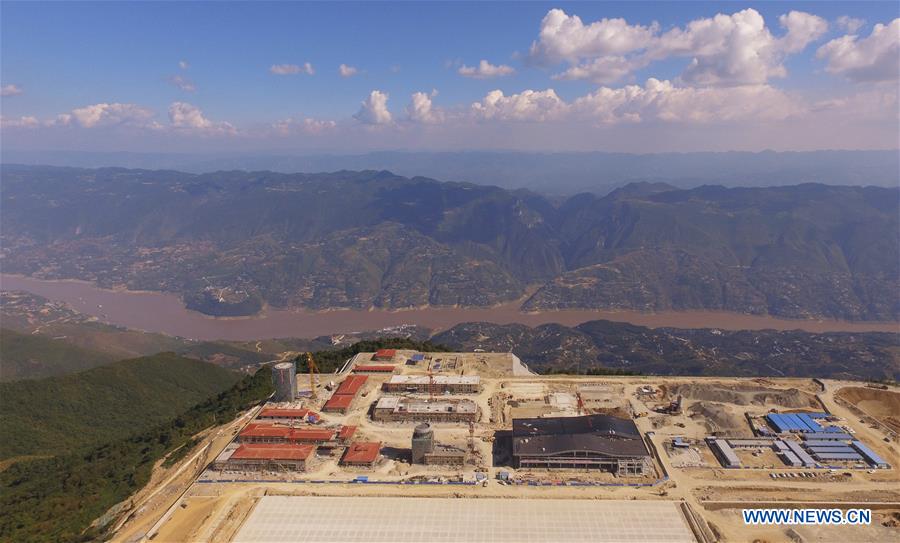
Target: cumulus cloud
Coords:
[[308, 125], [737, 49], [21, 122], [655, 101], [566, 37], [184, 116], [10, 90], [875, 58], [105, 114], [725, 50], [485, 70], [802, 29], [183, 64], [292, 69], [347, 71], [663, 101], [850, 24], [374, 110], [421, 109], [528, 105], [183, 83], [603, 70]]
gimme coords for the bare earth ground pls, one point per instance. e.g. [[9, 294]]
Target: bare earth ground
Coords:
[[215, 511]]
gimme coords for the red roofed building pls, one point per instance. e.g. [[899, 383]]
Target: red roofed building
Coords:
[[373, 369], [346, 433], [264, 433], [384, 354], [269, 456], [339, 403], [363, 453], [351, 385], [271, 413]]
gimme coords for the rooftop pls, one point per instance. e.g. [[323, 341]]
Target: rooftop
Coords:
[[437, 379], [351, 385], [285, 413], [363, 452], [272, 451], [339, 401], [422, 405], [602, 434], [373, 368]]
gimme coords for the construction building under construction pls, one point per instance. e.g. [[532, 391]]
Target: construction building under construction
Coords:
[[403, 409], [270, 433], [426, 451], [264, 456], [434, 384], [587, 442]]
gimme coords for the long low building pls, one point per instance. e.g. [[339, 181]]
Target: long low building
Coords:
[[437, 384], [269, 433], [402, 409], [286, 415], [267, 456], [586, 442]]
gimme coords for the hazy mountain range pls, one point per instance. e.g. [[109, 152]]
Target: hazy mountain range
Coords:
[[230, 241], [549, 173]]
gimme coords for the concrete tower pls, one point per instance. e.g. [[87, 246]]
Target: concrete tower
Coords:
[[422, 442], [284, 377]]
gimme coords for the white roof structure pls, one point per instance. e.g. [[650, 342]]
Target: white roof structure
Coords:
[[277, 519], [417, 405], [437, 379]]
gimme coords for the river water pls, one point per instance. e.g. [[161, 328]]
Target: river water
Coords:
[[165, 313]]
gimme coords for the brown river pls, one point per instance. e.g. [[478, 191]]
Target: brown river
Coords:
[[165, 313]]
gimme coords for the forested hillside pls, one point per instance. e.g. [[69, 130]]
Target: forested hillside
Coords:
[[230, 242], [57, 414]]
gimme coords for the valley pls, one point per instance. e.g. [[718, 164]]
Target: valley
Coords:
[[166, 313]]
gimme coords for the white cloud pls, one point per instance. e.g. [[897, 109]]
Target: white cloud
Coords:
[[374, 109], [421, 109], [663, 101], [183, 83], [737, 49], [802, 29], [21, 122], [850, 24], [308, 125], [485, 70], [183, 64], [347, 71], [655, 101], [725, 50], [185, 116], [529, 105], [105, 114], [565, 37], [11, 90], [875, 58], [603, 70], [292, 69]]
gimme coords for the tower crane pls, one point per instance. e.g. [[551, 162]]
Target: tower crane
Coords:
[[311, 364]]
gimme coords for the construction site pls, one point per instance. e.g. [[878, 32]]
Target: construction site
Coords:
[[480, 425]]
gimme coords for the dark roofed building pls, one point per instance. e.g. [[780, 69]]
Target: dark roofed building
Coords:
[[591, 441]]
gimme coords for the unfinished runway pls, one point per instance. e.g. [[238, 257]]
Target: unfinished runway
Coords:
[[448, 520]]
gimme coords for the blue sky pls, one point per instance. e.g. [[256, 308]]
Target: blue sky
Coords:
[[58, 58]]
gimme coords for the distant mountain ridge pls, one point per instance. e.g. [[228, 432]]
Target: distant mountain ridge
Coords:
[[557, 173], [374, 239]]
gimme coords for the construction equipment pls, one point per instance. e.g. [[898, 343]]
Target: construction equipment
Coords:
[[312, 369]]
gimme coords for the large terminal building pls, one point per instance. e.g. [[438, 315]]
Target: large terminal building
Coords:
[[586, 442]]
